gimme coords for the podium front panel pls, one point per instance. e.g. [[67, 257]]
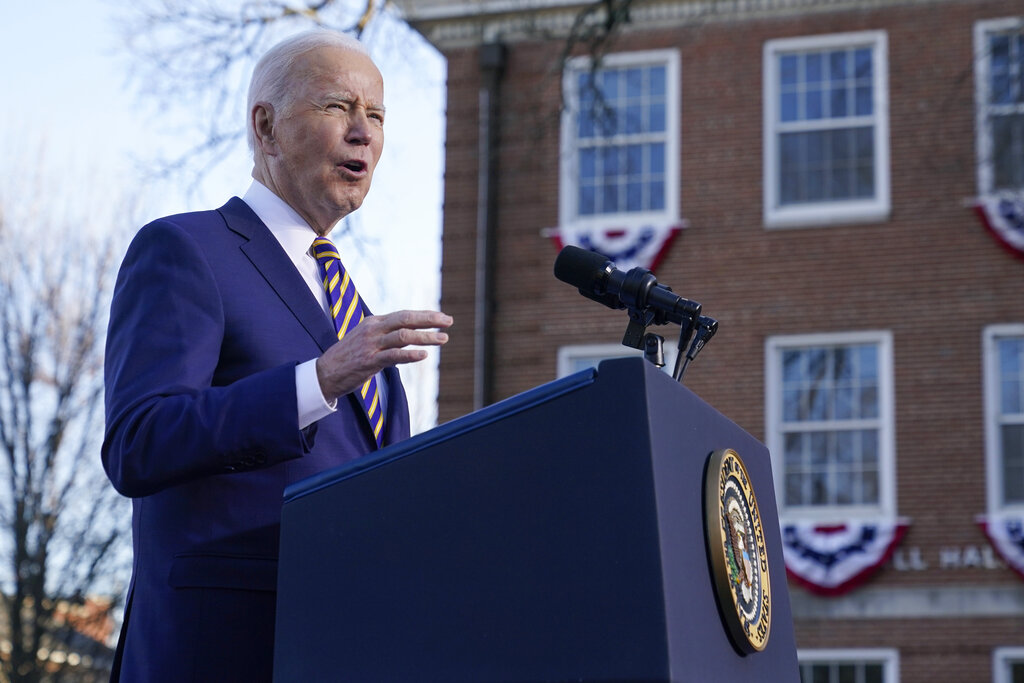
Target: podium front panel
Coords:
[[555, 536]]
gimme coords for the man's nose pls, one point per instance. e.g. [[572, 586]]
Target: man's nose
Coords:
[[360, 130]]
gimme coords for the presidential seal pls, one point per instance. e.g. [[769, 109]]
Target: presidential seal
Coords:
[[737, 552]]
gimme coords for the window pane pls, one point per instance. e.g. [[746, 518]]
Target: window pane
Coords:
[[863, 101], [838, 66], [792, 405], [869, 488], [844, 489], [1011, 376], [789, 107], [813, 102], [788, 69], [999, 68], [845, 405], [609, 161], [657, 117], [862, 64], [869, 402], [1010, 356], [1008, 150], [634, 83], [838, 101], [813, 68], [656, 80], [657, 198], [1013, 462], [864, 162], [819, 489], [1009, 396], [795, 490], [819, 449], [634, 197], [588, 203], [588, 164], [609, 198], [634, 122], [867, 362], [869, 447], [609, 80], [634, 160], [656, 154]]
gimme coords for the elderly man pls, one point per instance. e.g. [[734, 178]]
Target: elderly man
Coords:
[[240, 359]]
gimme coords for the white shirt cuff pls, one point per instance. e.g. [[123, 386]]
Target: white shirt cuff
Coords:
[[312, 404]]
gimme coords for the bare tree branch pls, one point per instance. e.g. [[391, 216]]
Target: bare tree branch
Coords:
[[63, 530], [197, 54]]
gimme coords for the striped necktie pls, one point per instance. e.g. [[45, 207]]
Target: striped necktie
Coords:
[[347, 312]]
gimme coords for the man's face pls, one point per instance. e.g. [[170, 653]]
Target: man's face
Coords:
[[329, 137]]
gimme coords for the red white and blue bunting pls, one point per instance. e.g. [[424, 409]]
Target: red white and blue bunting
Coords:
[[834, 559], [1006, 534], [1002, 215], [642, 247]]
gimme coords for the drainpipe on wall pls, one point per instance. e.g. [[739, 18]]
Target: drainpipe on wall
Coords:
[[492, 64]]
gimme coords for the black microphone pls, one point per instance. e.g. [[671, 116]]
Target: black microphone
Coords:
[[597, 278], [706, 328]]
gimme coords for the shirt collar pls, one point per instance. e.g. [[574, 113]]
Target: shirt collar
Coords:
[[287, 226]]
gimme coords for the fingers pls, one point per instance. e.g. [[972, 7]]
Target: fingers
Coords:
[[411, 320], [409, 328], [378, 342]]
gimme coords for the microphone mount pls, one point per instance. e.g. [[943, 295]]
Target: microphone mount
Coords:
[[647, 303]]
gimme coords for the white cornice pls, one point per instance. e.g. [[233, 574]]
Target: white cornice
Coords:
[[465, 23], [447, 10]]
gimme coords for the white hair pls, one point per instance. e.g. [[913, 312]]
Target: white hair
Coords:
[[271, 79]]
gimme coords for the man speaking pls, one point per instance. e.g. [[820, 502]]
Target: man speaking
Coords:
[[240, 358]]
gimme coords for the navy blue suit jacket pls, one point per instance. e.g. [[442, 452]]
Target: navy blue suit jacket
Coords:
[[208, 321]]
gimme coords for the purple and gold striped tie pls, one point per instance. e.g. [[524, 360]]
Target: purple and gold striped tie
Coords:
[[347, 312]]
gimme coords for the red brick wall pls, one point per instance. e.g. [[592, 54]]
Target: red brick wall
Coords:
[[931, 274]]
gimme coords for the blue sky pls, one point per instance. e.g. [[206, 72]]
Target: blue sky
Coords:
[[65, 82]]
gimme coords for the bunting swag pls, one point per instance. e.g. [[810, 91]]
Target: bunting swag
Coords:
[[1003, 215], [1006, 534], [628, 248], [832, 560]]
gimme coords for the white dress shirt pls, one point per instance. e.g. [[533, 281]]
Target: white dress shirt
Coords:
[[296, 238]]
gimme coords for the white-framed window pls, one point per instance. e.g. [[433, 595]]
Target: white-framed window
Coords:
[[826, 129], [1008, 665], [849, 666], [999, 87], [830, 424], [573, 358], [1003, 348], [619, 162]]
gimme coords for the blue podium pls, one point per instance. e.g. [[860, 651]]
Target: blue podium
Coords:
[[558, 535]]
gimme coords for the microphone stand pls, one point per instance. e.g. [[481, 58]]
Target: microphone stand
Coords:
[[692, 337]]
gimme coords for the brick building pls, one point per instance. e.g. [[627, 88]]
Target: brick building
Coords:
[[830, 162]]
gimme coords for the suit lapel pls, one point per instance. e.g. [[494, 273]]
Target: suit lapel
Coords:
[[266, 255]]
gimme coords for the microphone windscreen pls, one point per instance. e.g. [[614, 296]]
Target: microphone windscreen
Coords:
[[579, 267]]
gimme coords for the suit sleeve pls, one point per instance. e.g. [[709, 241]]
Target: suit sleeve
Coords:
[[166, 422]]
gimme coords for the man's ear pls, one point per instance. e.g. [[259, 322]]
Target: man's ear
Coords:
[[263, 126]]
